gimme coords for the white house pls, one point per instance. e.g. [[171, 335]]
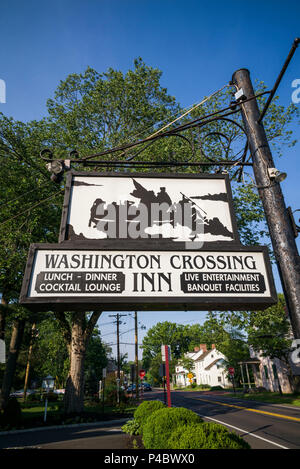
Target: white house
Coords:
[[271, 374], [208, 368]]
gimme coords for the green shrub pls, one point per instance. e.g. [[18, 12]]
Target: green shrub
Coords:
[[217, 388], [12, 414], [205, 436], [160, 425], [144, 410], [110, 394], [132, 427], [91, 403], [33, 397], [204, 386], [51, 396]]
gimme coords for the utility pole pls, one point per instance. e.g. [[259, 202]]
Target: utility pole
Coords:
[[136, 356], [118, 316], [33, 334], [278, 220]]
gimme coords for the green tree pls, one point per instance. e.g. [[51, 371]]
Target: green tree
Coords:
[[92, 112], [97, 355], [187, 363], [163, 333], [50, 354]]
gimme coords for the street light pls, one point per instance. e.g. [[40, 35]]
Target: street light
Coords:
[[276, 175], [47, 385]]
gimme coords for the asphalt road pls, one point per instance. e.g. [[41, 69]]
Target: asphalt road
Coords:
[[263, 426], [104, 435]]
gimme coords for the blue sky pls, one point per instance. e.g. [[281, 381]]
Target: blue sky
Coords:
[[197, 44]]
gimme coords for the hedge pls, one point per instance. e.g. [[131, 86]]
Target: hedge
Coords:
[[144, 410], [162, 423], [205, 436]]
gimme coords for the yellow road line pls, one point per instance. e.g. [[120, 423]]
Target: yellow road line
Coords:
[[296, 419]]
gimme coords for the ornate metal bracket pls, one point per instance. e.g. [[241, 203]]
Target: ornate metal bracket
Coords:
[[232, 157]]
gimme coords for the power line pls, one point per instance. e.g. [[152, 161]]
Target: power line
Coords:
[[32, 207], [189, 111], [192, 124], [124, 343], [118, 316], [8, 202]]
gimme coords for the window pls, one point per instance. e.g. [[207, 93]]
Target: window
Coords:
[[275, 371], [266, 372], [219, 379]]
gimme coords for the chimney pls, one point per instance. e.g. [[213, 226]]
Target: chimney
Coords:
[[196, 349], [213, 346], [203, 347]]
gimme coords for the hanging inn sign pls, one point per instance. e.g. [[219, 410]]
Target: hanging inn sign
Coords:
[[148, 242]]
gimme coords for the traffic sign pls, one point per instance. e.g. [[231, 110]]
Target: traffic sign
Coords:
[[162, 370], [190, 375], [163, 352], [142, 374], [231, 370]]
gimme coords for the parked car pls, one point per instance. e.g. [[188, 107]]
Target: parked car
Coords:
[[59, 391], [142, 386], [20, 393], [146, 387], [131, 388]]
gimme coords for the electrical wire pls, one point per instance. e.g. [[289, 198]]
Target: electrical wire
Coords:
[[7, 202], [189, 111], [32, 207], [106, 323], [189, 125]]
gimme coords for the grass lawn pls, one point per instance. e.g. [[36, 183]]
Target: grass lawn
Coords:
[[33, 414], [196, 388], [37, 409], [200, 388], [271, 397]]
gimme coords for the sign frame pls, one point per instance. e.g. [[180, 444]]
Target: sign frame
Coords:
[[142, 303], [63, 232]]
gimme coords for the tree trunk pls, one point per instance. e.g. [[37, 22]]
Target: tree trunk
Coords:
[[73, 402], [79, 335], [14, 348]]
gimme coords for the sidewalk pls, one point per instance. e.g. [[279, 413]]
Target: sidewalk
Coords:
[[101, 435]]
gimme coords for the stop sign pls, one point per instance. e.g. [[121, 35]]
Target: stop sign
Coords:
[[231, 370], [142, 373]]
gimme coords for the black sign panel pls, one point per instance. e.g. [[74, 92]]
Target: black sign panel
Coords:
[[71, 276]]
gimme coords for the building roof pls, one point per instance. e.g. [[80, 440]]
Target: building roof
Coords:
[[212, 364], [203, 355]]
